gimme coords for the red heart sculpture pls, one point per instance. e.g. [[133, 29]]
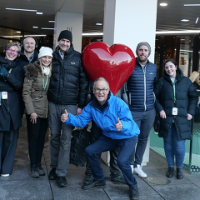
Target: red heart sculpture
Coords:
[[115, 63]]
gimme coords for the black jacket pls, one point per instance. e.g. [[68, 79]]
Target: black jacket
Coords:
[[10, 108], [68, 85], [186, 101]]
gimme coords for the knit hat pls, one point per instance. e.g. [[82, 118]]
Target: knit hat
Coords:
[[45, 51], [143, 43], [66, 35]]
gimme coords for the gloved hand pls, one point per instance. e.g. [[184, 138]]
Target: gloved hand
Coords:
[[3, 72]]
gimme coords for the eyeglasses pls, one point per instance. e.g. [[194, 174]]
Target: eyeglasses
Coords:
[[101, 90], [13, 51]]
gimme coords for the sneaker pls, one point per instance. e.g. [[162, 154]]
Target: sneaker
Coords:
[[5, 175], [133, 193], [138, 170], [88, 179], [61, 181], [52, 174], [118, 179], [95, 184], [40, 170], [34, 172]]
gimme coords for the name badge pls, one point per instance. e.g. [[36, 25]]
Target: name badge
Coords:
[[174, 111], [4, 95]]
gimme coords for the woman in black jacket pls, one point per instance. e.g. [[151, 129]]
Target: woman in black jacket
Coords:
[[176, 100], [11, 80]]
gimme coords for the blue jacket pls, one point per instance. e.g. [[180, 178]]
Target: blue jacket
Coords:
[[141, 85], [106, 120]]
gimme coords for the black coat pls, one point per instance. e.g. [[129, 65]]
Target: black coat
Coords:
[[186, 101], [10, 108], [68, 84]]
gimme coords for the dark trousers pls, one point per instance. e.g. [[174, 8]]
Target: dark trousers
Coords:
[[144, 120], [8, 144], [106, 144], [96, 132], [36, 137]]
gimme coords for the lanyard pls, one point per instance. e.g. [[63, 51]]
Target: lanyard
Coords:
[[174, 90], [44, 86]]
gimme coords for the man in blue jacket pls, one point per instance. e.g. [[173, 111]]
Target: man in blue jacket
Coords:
[[140, 85], [113, 116]]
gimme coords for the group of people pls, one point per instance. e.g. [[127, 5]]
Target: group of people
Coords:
[[52, 87]]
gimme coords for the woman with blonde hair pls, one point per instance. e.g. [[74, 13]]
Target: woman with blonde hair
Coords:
[[195, 78], [11, 80], [36, 83]]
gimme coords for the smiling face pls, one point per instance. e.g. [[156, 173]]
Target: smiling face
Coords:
[[170, 69], [64, 44], [101, 91], [46, 60], [143, 54], [29, 45], [12, 52]]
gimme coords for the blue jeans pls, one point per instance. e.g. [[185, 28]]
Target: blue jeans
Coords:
[[144, 120], [106, 144], [174, 147]]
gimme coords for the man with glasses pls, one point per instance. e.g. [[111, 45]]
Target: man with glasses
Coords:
[[113, 116]]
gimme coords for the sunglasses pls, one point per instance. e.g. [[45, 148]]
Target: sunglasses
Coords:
[[13, 51]]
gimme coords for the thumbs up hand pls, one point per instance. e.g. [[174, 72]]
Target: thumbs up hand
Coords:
[[118, 125], [64, 116]]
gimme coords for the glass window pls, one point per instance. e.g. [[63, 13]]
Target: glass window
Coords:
[[157, 53]]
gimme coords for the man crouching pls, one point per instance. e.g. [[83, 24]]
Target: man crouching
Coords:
[[113, 116]]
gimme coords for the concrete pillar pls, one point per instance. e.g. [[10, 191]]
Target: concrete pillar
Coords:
[[129, 22], [72, 22]]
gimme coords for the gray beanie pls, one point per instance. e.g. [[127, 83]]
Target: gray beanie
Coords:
[[143, 43]]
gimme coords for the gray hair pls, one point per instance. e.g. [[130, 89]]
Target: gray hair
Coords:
[[100, 79]]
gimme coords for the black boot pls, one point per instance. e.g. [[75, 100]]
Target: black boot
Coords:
[[52, 174], [88, 179], [170, 172], [40, 170], [95, 184], [179, 174], [61, 181], [133, 192]]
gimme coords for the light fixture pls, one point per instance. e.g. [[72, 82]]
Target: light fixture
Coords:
[[99, 24], [89, 34], [47, 28], [197, 19], [19, 9], [39, 13], [51, 21], [163, 4], [191, 4], [16, 36], [182, 39], [175, 49], [177, 32], [185, 20], [35, 26], [18, 31]]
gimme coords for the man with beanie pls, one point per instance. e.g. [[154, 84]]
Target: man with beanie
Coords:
[[67, 90], [141, 85]]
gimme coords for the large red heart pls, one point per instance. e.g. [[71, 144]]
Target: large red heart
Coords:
[[115, 63]]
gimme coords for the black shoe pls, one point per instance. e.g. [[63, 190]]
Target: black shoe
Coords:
[[95, 184], [40, 170], [133, 192], [61, 181], [170, 172], [52, 174], [179, 174], [88, 179], [34, 171], [119, 179]]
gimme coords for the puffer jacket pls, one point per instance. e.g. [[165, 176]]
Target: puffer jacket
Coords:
[[10, 108], [140, 85], [68, 85], [36, 102], [186, 101], [106, 120]]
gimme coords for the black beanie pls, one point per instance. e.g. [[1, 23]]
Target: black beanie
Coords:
[[66, 35]]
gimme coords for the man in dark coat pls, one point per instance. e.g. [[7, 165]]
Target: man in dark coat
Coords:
[[141, 85], [67, 89]]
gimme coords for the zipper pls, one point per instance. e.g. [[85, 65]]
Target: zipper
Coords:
[[144, 71]]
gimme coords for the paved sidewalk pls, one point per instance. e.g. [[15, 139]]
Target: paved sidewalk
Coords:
[[21, 186]]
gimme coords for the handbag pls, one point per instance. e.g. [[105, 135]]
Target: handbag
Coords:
[[79, 141], [156, 124]]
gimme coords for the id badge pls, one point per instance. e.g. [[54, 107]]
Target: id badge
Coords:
[[4, 95], [174, 111]]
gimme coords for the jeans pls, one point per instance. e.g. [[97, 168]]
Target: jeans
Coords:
[[144, 120], [106, 144], [174, 147]]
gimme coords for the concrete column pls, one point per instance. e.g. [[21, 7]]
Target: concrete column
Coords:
[[72, 22], [129, 22]]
